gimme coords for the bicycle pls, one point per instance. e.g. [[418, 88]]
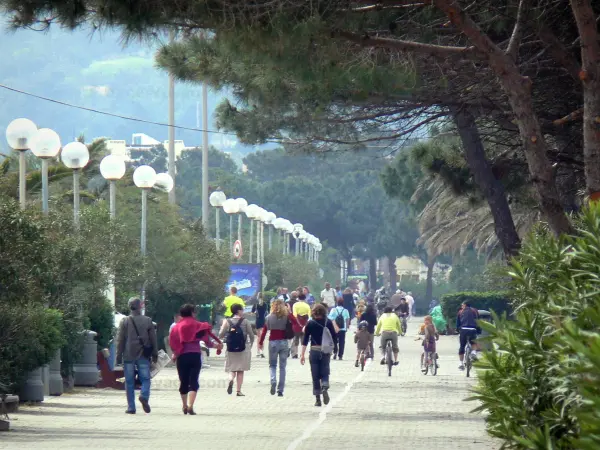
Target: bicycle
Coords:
[[404, 325], [363, 358], [430, 363], [389, 356], [467, 358]]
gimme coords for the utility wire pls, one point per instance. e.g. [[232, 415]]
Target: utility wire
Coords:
[[119, 116]]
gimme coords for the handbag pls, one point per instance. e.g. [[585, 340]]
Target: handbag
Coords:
[[289, 329], [146, 349]]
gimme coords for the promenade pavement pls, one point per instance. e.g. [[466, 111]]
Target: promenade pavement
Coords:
[[368, 410]]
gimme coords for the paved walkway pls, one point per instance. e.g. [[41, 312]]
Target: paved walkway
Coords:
[[368, 410]]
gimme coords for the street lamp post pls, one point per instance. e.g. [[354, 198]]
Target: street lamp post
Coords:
[[112, 168], [251, 212], [19, 134], [45, 144], [270, 219], [75, 155], [144, 177], [298, 228], [242, 205], [217, 199], [231, 207]]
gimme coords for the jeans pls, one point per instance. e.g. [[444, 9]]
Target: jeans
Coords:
[[340, 344], [188, 369], [319, 369], [143, 368], [297, 341], [278, 349], [371, 347]]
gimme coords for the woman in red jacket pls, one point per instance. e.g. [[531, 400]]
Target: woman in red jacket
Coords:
[[185, 342]]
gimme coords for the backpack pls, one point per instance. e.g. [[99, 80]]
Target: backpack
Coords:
[[339, 319], [327, 340], [236, 342]]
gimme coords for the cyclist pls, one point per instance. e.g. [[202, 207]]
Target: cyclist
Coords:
[[362, 339], [466, 322], [403, 311], [388, 327]]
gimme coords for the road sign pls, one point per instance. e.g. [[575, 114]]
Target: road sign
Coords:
[[237, 249]]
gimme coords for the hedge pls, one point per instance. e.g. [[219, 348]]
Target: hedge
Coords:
[[498, 302]]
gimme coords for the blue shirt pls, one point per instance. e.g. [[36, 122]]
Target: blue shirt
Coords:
[[336, 312]]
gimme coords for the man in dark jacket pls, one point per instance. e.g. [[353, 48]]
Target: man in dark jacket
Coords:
[[136, 344]]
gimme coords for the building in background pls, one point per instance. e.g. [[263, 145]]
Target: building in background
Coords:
[[141, 142]]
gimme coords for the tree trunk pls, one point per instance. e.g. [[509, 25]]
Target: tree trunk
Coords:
[[429, 288], [372, 273], [518, 90], [491, 188], [590, 77], [393, 273]]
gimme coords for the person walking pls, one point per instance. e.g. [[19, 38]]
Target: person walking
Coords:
[[320, 332], [341, 317], [232, 299], [292, 301], [411, 305], [348, 302], [301, 314], [260, 310], [237, 332], [310, 299], [370, 316], [276, 324], [184, 340], [328, 296], [136, 346]]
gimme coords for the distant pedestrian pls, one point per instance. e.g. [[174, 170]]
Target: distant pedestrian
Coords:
[[348, 301], [341, 317], [320, 332], [301, 314], [310, 299], [328, 296], [232, 299], [370, 316], [237, 331], [260, 310], [136, 345], [276, 324], [411, 304], [185, 341], [292, 301]]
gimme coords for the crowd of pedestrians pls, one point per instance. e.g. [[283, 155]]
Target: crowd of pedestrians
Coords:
[[293, 322]]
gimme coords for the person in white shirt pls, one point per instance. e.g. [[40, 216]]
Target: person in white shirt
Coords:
[[328, 296], [411, 304]]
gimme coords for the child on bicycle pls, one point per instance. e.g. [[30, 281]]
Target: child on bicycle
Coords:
[[431, 335], [362, 339]]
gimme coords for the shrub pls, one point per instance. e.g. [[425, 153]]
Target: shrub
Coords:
[[30, 336], [540, 383], [102, 320], [491, 301]]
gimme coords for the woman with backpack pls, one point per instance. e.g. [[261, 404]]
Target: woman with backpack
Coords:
[[341, 316], [320, 332], [279, 324], [237, 331]]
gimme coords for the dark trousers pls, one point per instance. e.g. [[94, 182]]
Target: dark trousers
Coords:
[[339, 344], [188, 369], [319, 369]]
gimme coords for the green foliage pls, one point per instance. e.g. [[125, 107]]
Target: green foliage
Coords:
[[30, 336], [291, 272], [539, 385], [499, 302], [101, 318]]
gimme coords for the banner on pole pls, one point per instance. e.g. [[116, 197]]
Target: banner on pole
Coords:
[[247, 278]]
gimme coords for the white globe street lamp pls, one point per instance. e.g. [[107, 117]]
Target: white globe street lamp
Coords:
[[231, 207], [288, 230], [144, 177], [75, 155], [251, 212], [164, 182], [112, 168], [297, 228], [45, 144], [19, 134], [217, 199], [270, 219], [243, 204]]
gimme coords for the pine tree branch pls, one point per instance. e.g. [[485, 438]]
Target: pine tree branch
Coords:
[[515, 39], [438, 51]]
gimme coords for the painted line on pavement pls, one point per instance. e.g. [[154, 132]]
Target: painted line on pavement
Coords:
[[308, 432]]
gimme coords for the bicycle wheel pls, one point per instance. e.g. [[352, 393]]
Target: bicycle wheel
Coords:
[[433, 362], [389, 357], [468, 360], [403, 327], [425, 367], [362, 361]]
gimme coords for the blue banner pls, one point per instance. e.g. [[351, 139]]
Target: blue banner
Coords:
[[247, 278]]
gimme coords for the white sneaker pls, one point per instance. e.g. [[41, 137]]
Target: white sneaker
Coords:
[[474, 355], [461, 367]]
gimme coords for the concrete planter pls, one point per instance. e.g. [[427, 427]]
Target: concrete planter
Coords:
[[11, 404], [86, 369], [55, 379], [4, 425], [33, 389]]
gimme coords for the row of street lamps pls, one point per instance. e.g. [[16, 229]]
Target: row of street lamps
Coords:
[[307, 245]]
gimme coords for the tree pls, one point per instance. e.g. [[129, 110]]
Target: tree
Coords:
[[155, 157]]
